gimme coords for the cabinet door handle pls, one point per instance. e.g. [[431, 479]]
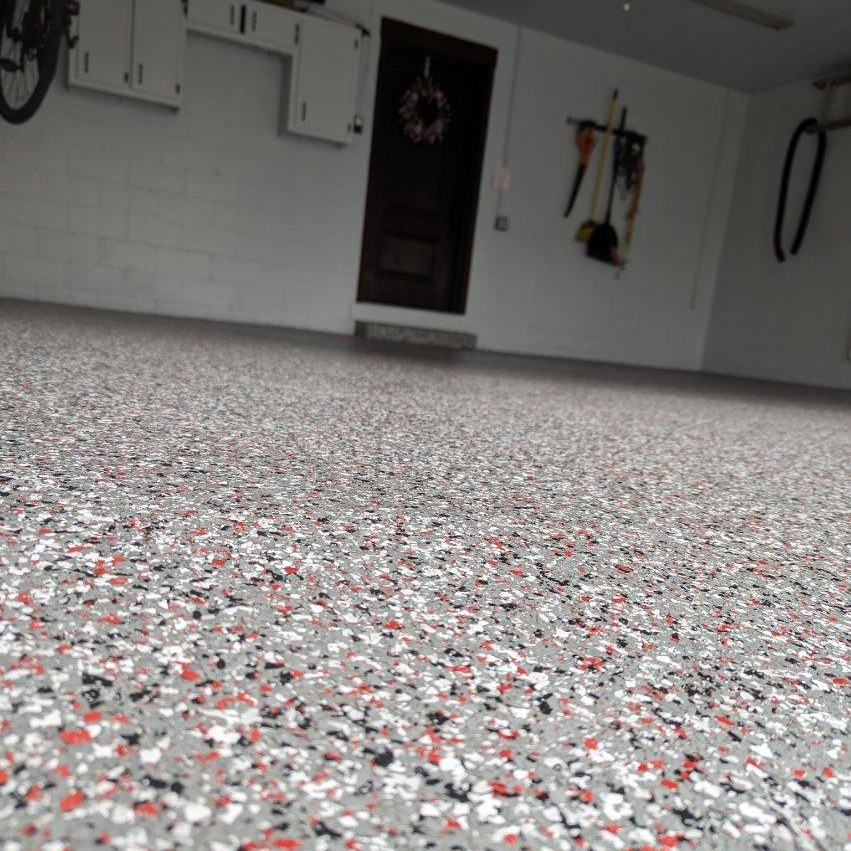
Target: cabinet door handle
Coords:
[[303, 111], [86, 62], [232, 15], [140, 74], [254, 21], [297, 33]]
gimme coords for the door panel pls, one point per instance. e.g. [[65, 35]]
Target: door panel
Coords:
[[103, 52], [158, 40], [329, 57], [215, 16], [422, 199], [408, 256], [270, 26]]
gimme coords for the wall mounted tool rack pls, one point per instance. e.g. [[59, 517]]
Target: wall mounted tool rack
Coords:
[[615, 131]]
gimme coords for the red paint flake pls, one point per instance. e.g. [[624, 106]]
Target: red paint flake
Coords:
[[828, 772], [75, 737], [591, 743], [71, 802], [148, 808], [63, 770], [586, 795], [613, 828], [669, 840], [287, 843], [434, 757], [34, 793], [841, 681], [91, 717], [799, 772], [187, 673], [4, 776], [393, 625], [511, 838], [670, 784]]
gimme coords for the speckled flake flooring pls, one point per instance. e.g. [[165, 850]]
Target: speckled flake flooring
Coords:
[[265, 592]]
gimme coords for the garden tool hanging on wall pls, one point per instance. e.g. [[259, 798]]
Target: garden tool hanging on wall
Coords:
[[810, 125], [603, 243], [586, 141], [588, 226], [632, 213]]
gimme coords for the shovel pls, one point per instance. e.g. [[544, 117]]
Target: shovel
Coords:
[[587, 228], [603, 244]]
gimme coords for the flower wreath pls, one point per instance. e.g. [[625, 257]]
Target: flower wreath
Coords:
[[425, 112]]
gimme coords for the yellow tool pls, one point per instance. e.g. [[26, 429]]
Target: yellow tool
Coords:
[[587, 228]]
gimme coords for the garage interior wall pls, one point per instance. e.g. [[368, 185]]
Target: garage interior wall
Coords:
[[208, 212], [792, 321]]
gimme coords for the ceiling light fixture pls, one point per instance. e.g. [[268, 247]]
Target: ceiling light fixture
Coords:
[[750, 13]]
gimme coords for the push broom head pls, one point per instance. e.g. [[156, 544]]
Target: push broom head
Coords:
[[603, 244]]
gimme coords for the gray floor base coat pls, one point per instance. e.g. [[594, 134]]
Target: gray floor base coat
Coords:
[[264, 589]]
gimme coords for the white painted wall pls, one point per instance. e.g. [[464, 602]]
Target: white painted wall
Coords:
[[789, 322], [208, 212]]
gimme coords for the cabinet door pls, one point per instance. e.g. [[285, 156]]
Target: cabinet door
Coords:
[[158, 42], [328, 65], [101, 59], [217, 17], [271, 27]]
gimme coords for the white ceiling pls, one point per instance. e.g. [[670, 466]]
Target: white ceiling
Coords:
[[685, 37]]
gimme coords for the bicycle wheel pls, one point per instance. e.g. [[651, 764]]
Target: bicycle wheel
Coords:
[[30, 34]]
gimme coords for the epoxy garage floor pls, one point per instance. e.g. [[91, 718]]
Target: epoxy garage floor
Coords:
[[273, 591]]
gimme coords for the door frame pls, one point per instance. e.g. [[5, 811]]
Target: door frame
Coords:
[[435, 43]]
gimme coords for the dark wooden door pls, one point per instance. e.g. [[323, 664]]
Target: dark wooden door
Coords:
[[421, 204]]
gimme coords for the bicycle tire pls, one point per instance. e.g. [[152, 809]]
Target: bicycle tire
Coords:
[[47, 62]]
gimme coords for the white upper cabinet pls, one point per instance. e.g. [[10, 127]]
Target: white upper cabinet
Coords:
[[136, 48], [215, 17], [130, 47], [322, 100], [101, 59], [158, 46], [271, 26]]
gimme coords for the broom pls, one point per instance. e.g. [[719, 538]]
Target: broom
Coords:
[[587, 227], [603, 244]]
